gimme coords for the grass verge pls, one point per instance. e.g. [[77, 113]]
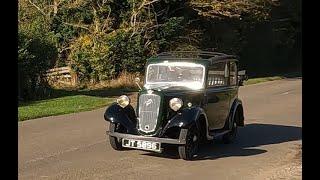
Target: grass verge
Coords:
[[71, 101], [264, 79], [62, 105]]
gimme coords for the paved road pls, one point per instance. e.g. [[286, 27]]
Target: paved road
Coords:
[[74, 146]]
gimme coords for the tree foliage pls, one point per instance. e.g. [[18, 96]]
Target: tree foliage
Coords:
[[35, 55], [254, 9], [101, 38]]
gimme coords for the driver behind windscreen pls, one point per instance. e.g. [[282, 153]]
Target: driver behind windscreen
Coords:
[[185, 75], [172, 73]]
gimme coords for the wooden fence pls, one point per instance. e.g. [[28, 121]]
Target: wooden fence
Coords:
[[62, 75]]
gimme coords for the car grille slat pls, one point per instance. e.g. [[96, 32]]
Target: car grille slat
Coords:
[[149, 105]]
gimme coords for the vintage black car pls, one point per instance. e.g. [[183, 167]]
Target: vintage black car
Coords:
[[188, 98]]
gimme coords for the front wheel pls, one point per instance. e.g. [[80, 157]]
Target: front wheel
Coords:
[[188, 150], [114, 142]]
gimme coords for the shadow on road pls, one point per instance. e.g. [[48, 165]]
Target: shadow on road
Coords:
[[249, 137]]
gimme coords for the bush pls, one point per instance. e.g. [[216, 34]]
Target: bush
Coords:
[[35, 55], [105, 56]]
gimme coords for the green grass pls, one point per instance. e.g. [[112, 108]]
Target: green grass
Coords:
[[72, 101], [62, 105], [264, 79]]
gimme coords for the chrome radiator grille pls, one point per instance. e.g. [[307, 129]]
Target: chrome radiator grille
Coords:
[[149, 105]]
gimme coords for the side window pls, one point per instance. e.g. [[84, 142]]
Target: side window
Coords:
[[218, 75], [233, 74]]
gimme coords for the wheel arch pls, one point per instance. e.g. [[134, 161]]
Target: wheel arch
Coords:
[[188, 117], [124, 116], [237, 108], [241, 115]]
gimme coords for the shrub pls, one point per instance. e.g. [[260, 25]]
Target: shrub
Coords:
[[105, 56], [35, 55]]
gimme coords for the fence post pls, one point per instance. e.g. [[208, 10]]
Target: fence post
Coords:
[[74, 79]]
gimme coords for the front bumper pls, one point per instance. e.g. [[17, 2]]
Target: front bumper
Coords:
[[181, 140]]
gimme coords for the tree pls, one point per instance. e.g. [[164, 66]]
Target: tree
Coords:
[[35, 56], [255, 9]]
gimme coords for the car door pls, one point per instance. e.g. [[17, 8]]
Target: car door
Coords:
[[218, 95]]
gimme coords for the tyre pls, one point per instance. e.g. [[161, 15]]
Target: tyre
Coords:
[[203, 134], [115, 143], [231, 136], [188, 150]]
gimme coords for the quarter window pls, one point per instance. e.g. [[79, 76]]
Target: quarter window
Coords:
[[218, 75]]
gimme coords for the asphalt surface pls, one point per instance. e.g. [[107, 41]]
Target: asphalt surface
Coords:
[[75, 146]]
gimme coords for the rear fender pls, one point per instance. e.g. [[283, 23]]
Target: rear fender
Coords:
[[125, 116], [237, 106]]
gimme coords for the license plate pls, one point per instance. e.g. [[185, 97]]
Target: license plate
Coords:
[[138, 144]]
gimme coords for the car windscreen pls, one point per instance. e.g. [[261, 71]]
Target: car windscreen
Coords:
[[178, 73]]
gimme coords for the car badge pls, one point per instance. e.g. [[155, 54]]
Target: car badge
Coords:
[[148, 102]]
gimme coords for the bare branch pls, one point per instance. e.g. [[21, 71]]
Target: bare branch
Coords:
[[64, 49], [151, 2], [144, 3], [106, 22], [76, 25], [37, 7], [147, 43]]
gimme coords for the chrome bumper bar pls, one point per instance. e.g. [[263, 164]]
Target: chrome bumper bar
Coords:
[[181, 140]]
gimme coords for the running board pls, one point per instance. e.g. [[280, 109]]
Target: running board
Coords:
[[216, 134]]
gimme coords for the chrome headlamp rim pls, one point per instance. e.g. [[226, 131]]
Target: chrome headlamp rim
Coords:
[[123, 101], [175, 104]]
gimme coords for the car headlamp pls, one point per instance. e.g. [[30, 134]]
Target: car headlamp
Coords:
[[175, 104], [123, 101]]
